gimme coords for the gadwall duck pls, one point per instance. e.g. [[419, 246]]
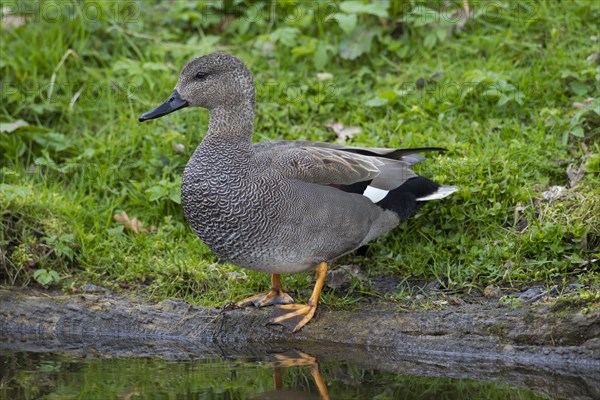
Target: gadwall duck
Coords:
[[281, 206]]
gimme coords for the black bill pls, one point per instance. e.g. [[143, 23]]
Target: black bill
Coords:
[[173, 103]]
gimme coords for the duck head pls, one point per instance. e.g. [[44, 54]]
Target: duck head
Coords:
[[217, 82]]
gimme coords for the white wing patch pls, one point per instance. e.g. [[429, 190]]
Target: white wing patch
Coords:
[[443, 191], [375, 194]]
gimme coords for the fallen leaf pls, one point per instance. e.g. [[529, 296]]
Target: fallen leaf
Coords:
[[135, 392], [342, 276], [336, 126], [355, 270], [491, 291], [465, 15], [348, 133], [457, 301], [343, 132], [236, 276], [575, 173], [267, 47], [593, 59], [132, 225], [178, 147], [12, 126], [553, 193], [587, 263], [586, 102], [323, 76], [338, 278], [11, 20]]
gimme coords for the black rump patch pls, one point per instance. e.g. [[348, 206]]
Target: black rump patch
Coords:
[[403, 199]]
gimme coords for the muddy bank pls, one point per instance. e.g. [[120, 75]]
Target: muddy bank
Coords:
[[553, 353], [482, 331]]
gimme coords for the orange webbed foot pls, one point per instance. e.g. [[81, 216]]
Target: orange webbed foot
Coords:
[[295, 316], [275, 296], [270, 298]]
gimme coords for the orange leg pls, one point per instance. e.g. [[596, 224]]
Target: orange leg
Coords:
[[319, 381], [278, 377], [275, 296], [295, 358], [295, 316]]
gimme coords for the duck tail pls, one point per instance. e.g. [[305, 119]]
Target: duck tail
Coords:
[[406, 199]]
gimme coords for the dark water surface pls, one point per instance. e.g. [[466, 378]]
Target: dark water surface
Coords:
[[52, 376], [117, 368]]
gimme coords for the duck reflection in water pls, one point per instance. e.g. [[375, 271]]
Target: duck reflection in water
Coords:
[[294, 358]]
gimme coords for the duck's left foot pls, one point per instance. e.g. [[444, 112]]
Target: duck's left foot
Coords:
[[275, 296], [270, 298], [293, 316]]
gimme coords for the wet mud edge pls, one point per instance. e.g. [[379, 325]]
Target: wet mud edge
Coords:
[[533, 335], [556, 355]]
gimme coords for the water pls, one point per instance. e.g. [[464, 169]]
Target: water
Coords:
[[286, 375], [90, 367]]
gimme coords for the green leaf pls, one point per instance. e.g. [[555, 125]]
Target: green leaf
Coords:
[[503, 100], [308, 47], [62, 249], [492, 93], [441, 34], [376, 102], [46, 277], [430, 40], [347, 22], [377, 8], [155, 193], [126, 65], [357, 44], [54, 276], [389, 95], [286, 36], [580, 89], [422, 16], [41, 276], [175, 196], [320, 56], [578, 131], [154, 66], [53, 141], [14, 191], [518, 96], [45, 161]]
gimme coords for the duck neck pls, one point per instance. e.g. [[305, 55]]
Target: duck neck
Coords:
[[233, 119]]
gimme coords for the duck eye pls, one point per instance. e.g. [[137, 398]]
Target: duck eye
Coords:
[[201, 75]]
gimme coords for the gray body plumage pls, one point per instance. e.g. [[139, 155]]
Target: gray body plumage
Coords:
[[285, 206], [250, 213]]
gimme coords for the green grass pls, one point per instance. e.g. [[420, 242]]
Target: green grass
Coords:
[[500, 97]]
